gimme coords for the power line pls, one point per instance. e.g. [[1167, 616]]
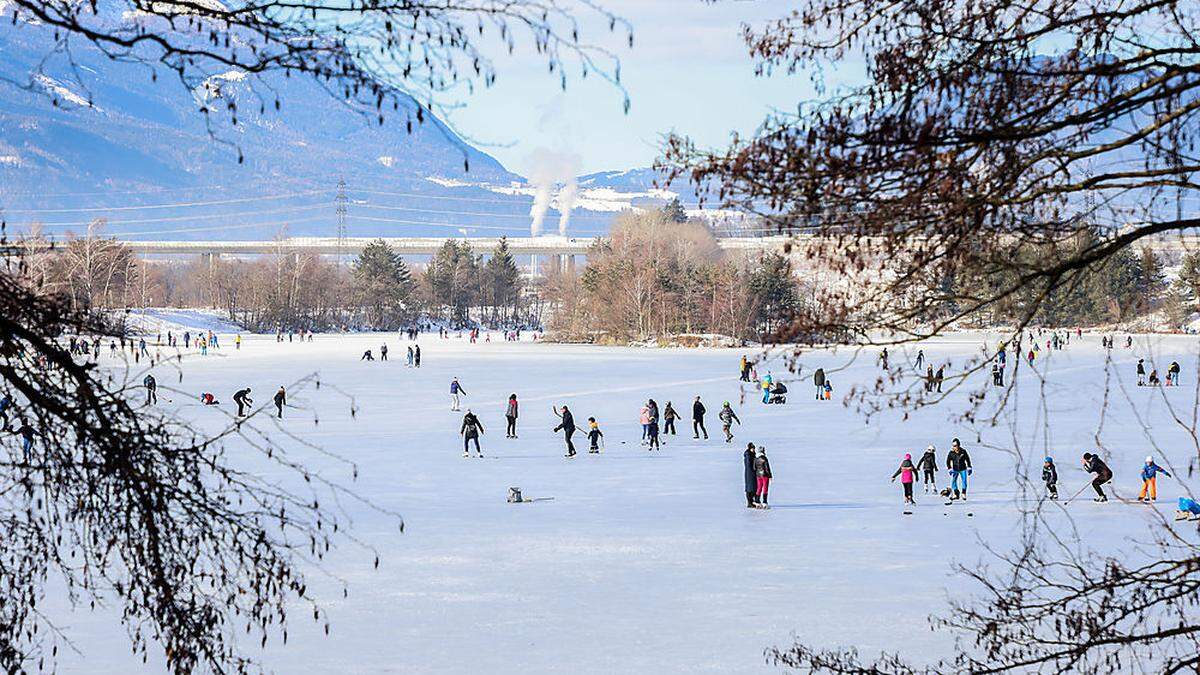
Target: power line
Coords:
[[176, 205]]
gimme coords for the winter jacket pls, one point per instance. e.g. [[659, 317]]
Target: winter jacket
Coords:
[[1151, 470], [644, 417], [456, 388], [1097, 466], [1050, 474], [471, 426], [669, 413], [512, 408], [928, 462], [762, 467], [727, 415], [906, 471], [698, 410], [568, 422], [751, 478], [958, 461], [819, 377], [653, 408], [280, 398], [241, 395]]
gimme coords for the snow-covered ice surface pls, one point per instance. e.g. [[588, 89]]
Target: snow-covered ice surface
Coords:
[[161, 319], [651, 561]]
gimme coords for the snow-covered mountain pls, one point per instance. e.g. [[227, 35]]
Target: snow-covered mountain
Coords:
[[102, 139]]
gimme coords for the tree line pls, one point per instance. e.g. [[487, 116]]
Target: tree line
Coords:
[[289, 289]]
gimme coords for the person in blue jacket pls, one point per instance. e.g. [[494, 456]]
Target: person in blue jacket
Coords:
[[456, 390], [1150, 472]]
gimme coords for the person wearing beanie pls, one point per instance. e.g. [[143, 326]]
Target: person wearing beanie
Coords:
[[907, 473], [928, 466]]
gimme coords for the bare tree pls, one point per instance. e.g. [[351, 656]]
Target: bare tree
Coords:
[[996, 158]]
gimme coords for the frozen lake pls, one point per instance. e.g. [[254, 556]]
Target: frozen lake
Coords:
[[651, 560]]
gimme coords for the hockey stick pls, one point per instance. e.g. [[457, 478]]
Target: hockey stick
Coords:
[[1085, 486]]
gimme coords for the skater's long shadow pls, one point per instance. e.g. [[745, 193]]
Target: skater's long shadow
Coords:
[[820, 506]]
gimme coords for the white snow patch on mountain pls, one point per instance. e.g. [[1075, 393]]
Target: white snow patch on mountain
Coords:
[[61, 91]]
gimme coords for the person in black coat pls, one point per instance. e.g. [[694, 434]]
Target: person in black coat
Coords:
[[567, 426], [698, 411], [1094, 465], [470, 430], [749, 476]]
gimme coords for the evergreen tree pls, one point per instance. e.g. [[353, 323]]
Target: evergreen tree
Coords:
[[382, 285], [774, 288], [502, 280], [453, 277], [673, 211]]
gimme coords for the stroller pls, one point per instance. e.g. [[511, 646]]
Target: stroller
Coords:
[[778, 394]]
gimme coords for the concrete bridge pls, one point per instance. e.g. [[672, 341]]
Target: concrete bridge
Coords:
[[554, 250], [410, 246]]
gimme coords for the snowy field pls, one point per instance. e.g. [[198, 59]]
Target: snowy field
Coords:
[[652, 561]]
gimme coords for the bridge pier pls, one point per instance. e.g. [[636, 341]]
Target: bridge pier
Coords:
[[209, 259], [570, 264]]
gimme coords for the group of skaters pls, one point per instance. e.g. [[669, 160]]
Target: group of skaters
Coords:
[[958, 465], [241, 397], [649, 417], [304, 335], [1153, 380], [412, 359]]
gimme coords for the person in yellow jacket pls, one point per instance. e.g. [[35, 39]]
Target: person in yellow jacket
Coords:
[[237, 341]]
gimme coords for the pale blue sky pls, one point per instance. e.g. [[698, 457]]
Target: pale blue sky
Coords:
[[688, 71]]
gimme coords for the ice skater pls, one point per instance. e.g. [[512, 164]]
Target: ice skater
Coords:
[[728, 417], [242, 398], [644, 419], [510, 415], [594, 436], [383, 352], [819, 383], [470, 431], [1050, 477], [653, 431], [280, 400], [456, 390], [958, 462], [1141, 373], [669, 417], [1102, 474], [567, 426], [762, 475], [151, 386], [749, 476], [928, 466], [698, 411], [1150, 472], [907, 474]]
